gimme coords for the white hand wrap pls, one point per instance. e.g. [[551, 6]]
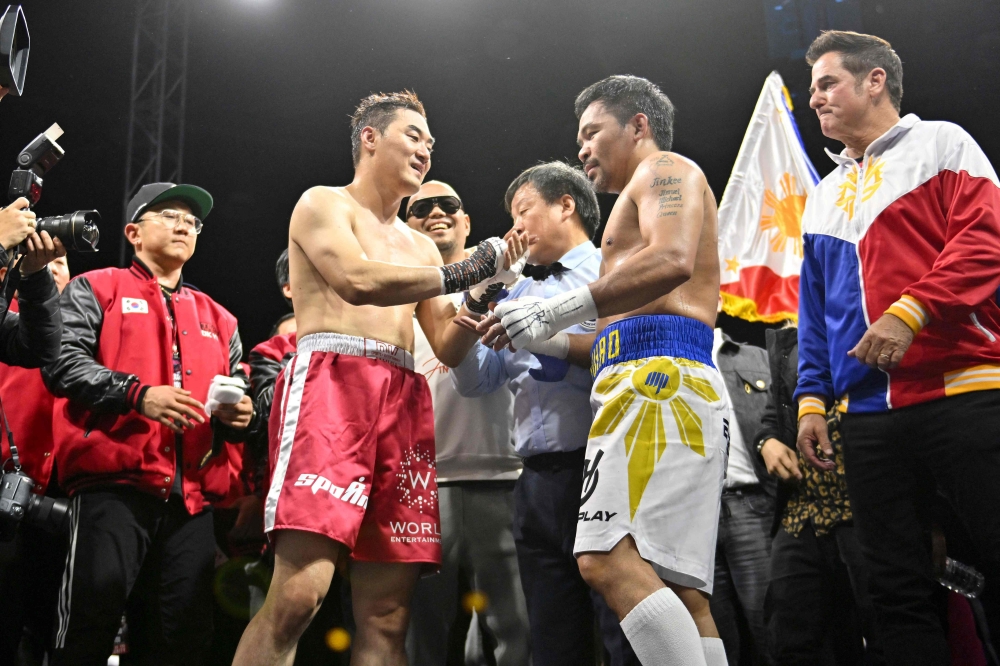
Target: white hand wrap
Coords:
[[529, 319], [481, 294], [507, 277], [511, 275], [557, 346]]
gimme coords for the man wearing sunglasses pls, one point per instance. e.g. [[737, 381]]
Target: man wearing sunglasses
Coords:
[[449, 204], [476, 469], [352, 441], [135, 448]]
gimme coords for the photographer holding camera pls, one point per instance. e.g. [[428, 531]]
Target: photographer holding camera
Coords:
[[31, 562], [35, 341], [29, 338], [135, 446]]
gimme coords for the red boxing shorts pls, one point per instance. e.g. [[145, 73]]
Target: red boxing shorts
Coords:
[[352, 450]]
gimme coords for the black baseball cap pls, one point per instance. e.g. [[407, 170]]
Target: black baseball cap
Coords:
[[199, 200]]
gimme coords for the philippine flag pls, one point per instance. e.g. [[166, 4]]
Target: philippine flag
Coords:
[[760, 217]]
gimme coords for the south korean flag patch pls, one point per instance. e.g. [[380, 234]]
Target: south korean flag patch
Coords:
[[135, 306]]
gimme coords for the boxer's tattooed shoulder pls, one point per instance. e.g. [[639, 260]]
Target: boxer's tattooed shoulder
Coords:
[[670, 200], [669, 197], [664, 182], [663, 163]]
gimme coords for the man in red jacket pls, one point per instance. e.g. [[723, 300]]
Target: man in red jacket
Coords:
[[30, 565], [134, 447]]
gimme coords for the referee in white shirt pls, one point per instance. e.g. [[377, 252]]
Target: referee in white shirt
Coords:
[[556, 205]]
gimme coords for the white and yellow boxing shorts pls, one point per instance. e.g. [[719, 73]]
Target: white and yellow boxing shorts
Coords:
[[658, 447]]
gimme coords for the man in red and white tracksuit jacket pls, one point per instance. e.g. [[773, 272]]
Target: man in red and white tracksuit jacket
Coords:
[[899, 319], [135, 449]]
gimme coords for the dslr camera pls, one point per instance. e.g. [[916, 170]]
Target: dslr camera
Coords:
[[18, 503], [77, 231]]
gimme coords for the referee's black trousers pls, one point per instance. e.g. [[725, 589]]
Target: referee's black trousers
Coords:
[[132, 553], [561, 607], [894, 463]]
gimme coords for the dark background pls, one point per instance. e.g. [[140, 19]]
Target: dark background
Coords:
[[272, 82]]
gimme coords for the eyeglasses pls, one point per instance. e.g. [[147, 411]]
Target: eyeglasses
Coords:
[[171, 218], [423, 207]]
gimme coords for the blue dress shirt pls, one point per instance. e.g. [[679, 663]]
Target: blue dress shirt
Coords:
[[549, 416]]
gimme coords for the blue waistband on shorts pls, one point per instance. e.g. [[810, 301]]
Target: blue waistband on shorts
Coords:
[[645, 336]]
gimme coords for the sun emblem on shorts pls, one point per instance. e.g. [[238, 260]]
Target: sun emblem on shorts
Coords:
[[663, 383]]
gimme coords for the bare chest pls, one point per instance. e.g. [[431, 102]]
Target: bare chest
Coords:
[[390, 243], [622, 237]]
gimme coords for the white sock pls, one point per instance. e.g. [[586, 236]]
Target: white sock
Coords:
[[662, 631], [715, 652]]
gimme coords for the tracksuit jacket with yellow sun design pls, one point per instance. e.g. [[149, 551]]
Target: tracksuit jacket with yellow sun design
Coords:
[[914, 230]]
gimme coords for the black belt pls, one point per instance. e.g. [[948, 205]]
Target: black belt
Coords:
[[485, 484], [752, 489], [556, 459]]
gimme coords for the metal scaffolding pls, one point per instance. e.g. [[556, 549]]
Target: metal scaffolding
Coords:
[[159, 87]]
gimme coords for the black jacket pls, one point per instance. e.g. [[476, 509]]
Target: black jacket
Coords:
[[744, 369], [266, 360], [31, 337], [780, 420]]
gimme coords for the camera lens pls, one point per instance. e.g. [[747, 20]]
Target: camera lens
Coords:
[[78, 231], [90, 234], [47, 513]]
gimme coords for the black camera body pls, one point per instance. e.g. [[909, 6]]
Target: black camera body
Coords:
[[33, 162], [78, 231], [18, 504]]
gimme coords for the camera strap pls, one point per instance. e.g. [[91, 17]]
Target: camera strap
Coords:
[[9, 285], [10, 441]]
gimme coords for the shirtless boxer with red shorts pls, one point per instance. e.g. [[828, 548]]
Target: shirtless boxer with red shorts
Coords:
[[352, 428]]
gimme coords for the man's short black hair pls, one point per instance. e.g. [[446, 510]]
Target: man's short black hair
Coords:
[[281, 272], [281, 320], [378, 110], [861, 54], [626, 95], [555, 179]]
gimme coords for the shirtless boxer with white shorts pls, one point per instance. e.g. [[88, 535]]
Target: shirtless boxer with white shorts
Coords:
[[656, 457]]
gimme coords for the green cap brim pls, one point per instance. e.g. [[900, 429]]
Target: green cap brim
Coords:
[[199, 200]]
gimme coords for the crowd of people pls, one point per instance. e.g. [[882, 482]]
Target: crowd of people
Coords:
[[554, 424]]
